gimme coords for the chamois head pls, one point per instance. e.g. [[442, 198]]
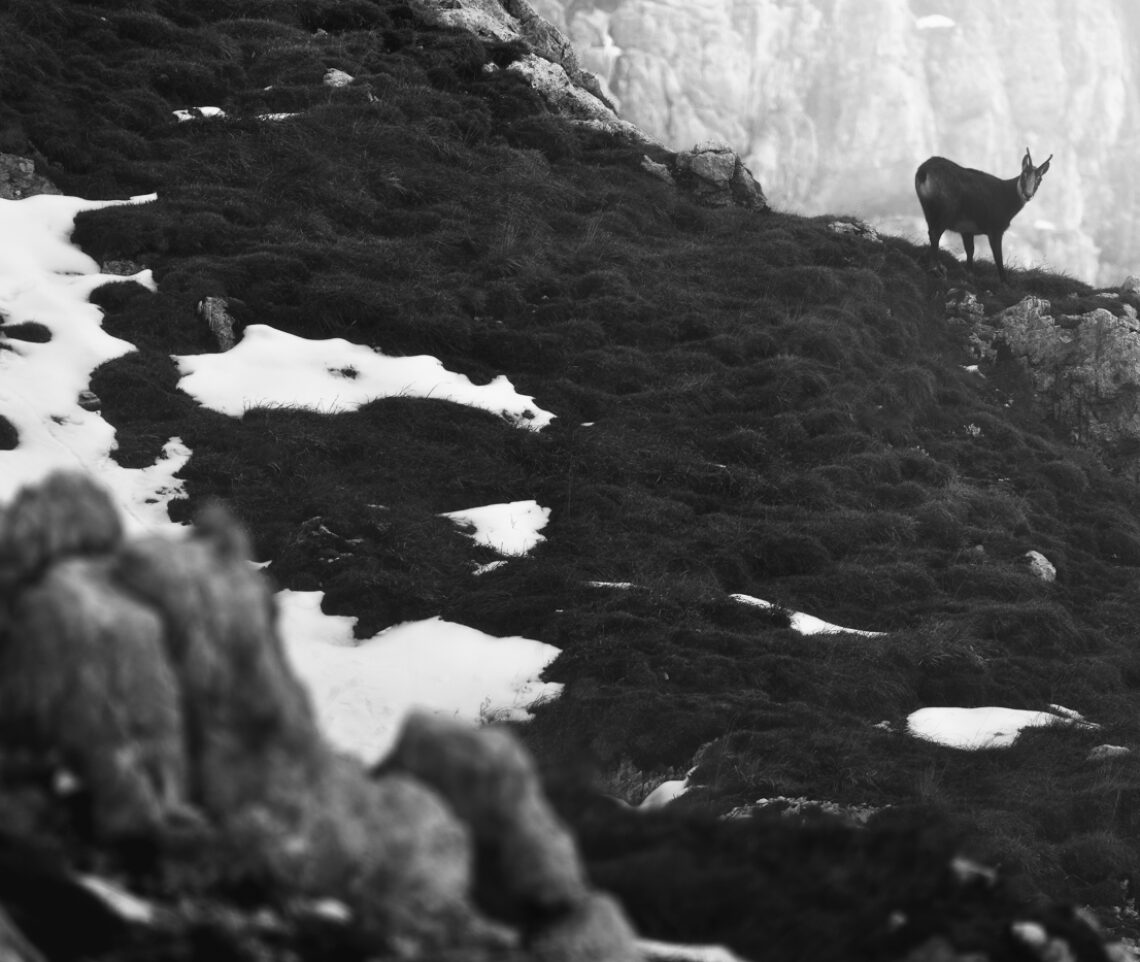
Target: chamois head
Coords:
[[1030, 178]]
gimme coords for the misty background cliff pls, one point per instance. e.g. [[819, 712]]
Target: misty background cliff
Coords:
[[834, 103]]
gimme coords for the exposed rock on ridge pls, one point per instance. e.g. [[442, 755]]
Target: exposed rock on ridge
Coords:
[[552, 67], [1084, 369], [710, 171], [833, 103]]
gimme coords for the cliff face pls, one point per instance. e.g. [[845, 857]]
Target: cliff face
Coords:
[[834, 103]]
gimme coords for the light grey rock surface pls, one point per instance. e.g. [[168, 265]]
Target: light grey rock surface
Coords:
[[832, 105]]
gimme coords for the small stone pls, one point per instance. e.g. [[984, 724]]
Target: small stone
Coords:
[[1041, 566], [654, 169], [337, 78], [1032, 934], [89, 401], [855, 229], [1104, 752], [967, 871], [213, 311]]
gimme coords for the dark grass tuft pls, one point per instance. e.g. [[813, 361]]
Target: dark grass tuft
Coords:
[[30, 331], [9, 436]]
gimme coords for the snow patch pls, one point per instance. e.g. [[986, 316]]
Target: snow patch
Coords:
[[272, 368], [511, 529], [973, 729], [362, 690], [199, 113], [807, 624], [665, 793], [46, 280]]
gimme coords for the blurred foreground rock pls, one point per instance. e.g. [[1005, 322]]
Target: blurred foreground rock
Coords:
[[164, 791], [151, 670], [13, 946]]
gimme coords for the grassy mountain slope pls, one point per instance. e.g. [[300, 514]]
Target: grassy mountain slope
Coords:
[[746, 402]]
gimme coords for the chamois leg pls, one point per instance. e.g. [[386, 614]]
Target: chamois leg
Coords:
[[968, 244], [995, 247], [935, 240]]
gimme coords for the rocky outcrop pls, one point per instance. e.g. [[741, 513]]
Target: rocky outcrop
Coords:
[[552, 66], [834, 104], [711, 172], [717, 177], [18, 179], [151, 670], [213, 311], [1084, 369]]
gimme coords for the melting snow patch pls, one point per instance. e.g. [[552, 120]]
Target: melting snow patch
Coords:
[[807, 624], [269, 367], [978, 728], [362, 690], [199, 113], [665, 793], [512, 529], [45, 279]]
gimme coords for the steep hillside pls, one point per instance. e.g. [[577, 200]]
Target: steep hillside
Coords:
[[746, 403], [833, 103]]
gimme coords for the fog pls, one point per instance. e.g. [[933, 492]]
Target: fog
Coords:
[[834, 103]]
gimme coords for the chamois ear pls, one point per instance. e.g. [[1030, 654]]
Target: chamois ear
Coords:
[[1026, 161], [1041, 171]]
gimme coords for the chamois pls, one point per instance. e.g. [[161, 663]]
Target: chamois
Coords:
[[973, 202]]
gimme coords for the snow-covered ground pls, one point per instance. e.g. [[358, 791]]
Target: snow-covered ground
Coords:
[[361, 690], [807, 624], [269, 368], [990, 727], [46, 280], [511, 529]]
